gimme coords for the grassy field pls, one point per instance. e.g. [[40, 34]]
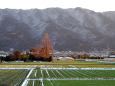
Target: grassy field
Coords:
[[36, 83], [72, 83], [74, 77], [12, 77], [58, 77], [83, 83], [61, 74]]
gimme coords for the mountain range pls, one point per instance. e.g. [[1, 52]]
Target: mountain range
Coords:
[[73, 29]]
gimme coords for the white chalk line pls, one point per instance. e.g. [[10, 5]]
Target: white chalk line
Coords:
[[47, 73], [73, 79], [60, 74], [26, 81], [81, 68]]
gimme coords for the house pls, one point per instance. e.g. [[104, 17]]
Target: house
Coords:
[[63, 58], [3, 55]]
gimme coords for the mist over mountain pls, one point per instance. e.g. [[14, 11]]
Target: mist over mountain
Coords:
[[69, 29]]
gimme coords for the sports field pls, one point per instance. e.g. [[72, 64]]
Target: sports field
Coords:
[[57, 74]]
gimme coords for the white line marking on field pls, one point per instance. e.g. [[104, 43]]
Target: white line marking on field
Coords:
[[65, 73], [26, 81], [29, 73], [51, 82], [81, 72], [35, 73], [47, 73], [54, 73], [69, 72], [33, 83], [42, 82], [42, 74], [60, 73], [82, 68], [74, 79], [75, 73]]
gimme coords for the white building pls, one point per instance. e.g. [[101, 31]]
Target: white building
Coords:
[[3, 54], [63, 58]]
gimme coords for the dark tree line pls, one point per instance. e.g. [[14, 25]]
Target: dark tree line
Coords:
[[18, 56]]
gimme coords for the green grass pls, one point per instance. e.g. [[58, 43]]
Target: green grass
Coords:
[[37, 83], [75, 73], [38, 75], [12, 77], [48, 83], [35, 74], [32, 75], [88, 73], [45, 75], [73, 83], [83, 83], [30, 83], [67, 74], [16, 77]]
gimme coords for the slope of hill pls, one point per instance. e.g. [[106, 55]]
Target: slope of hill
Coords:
[[70, 29]]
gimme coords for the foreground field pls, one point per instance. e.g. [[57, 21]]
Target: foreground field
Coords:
[[57, 74]]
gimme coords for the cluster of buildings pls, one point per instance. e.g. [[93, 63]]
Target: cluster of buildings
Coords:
[[70, 55]]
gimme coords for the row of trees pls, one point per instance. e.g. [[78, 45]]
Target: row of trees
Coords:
[[17, 55], [86, 56]]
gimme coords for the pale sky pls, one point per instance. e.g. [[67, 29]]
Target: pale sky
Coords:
[[96, 5]]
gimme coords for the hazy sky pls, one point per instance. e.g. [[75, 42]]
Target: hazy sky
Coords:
[[96, 5]]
